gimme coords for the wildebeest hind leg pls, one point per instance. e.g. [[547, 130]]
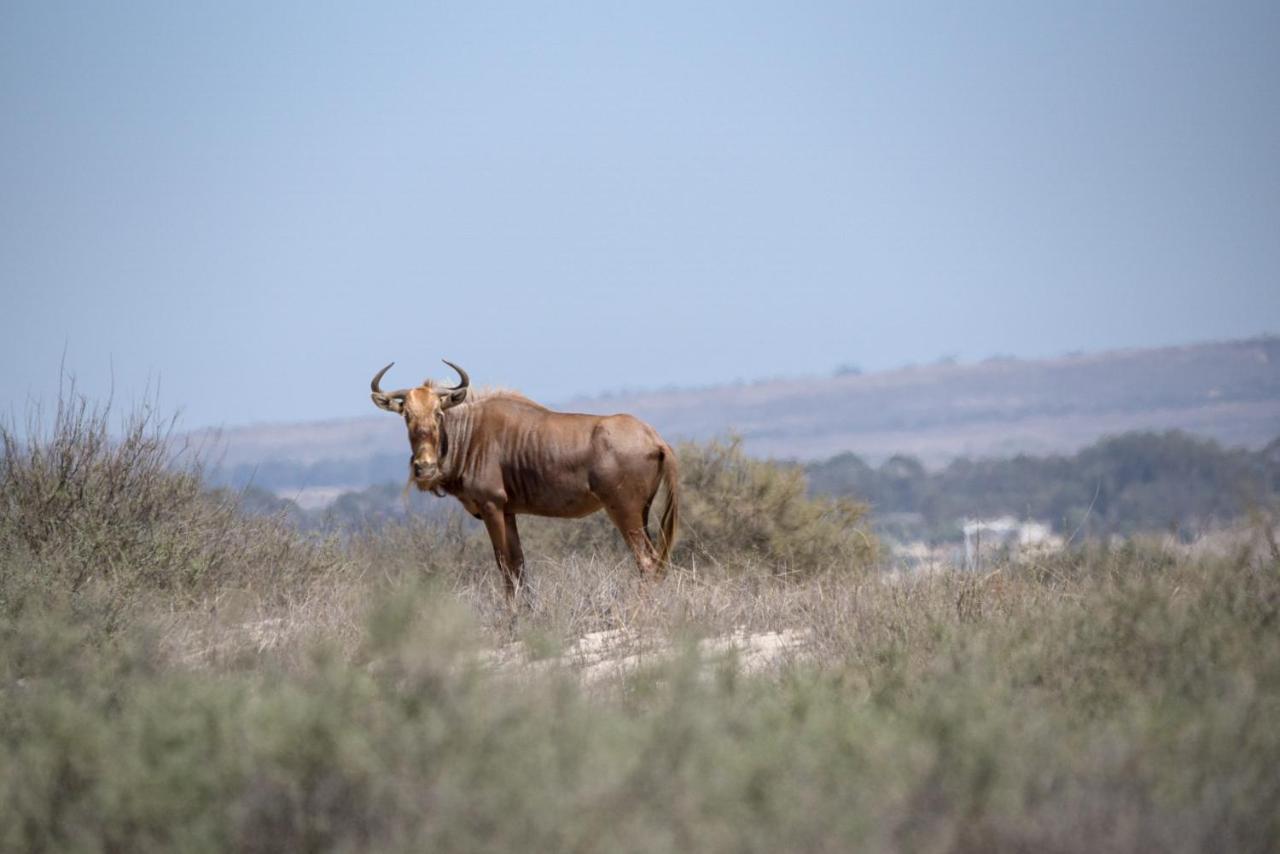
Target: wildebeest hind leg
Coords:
[[515, 555], [632, 527]]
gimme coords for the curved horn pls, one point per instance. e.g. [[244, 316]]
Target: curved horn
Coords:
[[377, 379], [466, 380], [457, 394], [392, 401]]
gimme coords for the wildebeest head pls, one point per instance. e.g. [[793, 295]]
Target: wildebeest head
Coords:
[[422, 408]]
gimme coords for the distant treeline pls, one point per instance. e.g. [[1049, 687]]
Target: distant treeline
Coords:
[[1121, 485], [1131, 483]]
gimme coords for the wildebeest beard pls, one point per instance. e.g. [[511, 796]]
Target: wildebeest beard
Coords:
[[435, 485]]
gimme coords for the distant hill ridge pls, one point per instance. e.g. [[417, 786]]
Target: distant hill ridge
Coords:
[[1228, 391]]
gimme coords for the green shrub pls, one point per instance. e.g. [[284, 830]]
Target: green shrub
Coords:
[[736, 506]]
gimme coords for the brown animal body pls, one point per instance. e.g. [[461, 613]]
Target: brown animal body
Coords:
[[501, 455]]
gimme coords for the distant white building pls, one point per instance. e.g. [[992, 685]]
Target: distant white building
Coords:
[[981, 535]]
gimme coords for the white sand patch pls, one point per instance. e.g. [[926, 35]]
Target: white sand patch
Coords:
[[599, 656]]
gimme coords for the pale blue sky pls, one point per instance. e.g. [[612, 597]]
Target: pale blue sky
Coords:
[[258, 205]]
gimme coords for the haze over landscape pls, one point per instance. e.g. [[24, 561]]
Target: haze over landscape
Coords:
[[1228, 391], [254, 209]]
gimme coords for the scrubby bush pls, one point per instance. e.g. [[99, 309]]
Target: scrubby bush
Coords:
[[1117, 700], [126, 511], [736, 506]]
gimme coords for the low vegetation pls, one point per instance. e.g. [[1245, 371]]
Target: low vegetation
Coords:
[[175, 675]]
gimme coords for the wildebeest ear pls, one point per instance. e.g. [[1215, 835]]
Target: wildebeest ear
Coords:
[[452, 397], [387, 402]]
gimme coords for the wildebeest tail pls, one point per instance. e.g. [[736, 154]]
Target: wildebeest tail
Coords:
[[671, 512]]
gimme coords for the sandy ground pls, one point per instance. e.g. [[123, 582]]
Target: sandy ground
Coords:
[[600, 656], [596, 657]]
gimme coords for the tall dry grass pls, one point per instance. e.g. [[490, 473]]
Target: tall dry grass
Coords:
[[124, 510]]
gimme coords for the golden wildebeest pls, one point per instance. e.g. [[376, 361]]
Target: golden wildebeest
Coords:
[[501, 454]]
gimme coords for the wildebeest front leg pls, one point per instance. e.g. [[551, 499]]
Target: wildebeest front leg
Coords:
[[495, 522]]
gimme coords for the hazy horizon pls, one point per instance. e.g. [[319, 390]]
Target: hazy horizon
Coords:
[[254, 209], [640, 389]]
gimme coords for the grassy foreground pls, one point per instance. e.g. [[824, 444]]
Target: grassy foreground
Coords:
[[174, 676]]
